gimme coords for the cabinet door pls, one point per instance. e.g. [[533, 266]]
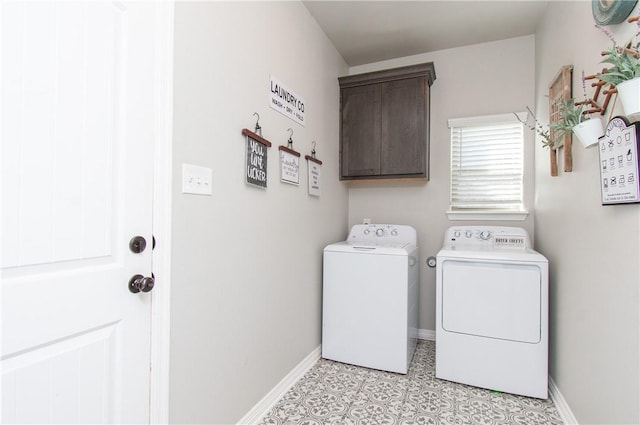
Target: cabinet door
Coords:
[[360, 148], [404, 127]]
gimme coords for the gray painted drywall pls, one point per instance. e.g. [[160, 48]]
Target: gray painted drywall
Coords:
[[232, 316], [593, 251], [247, 262], [483, 79]]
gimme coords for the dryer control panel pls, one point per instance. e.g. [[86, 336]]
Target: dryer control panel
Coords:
[[487, 237], [383, 234]]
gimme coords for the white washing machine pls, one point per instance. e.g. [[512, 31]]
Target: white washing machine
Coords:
[[492, 298], [370, 297]]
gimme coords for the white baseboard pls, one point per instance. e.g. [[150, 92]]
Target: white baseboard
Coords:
[[263, 406], [561, 404], [427, 334]]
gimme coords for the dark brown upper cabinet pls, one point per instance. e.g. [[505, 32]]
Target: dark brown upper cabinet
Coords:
[[384, 124]]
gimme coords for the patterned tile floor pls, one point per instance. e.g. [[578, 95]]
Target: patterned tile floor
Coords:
[[336, 393]]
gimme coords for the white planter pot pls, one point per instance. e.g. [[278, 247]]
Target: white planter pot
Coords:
[[629, 93], [589, 131]]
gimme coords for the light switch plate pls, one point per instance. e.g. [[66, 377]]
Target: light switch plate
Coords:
[[196, 180]]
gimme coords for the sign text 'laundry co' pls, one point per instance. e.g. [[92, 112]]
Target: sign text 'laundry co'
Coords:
[[286, 101]]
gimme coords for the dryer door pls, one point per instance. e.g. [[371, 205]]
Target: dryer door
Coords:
[[492, 300]]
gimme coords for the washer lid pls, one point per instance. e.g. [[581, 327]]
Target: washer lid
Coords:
[[370, 248]]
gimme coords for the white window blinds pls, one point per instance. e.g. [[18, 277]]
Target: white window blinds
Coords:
[[486, 163]]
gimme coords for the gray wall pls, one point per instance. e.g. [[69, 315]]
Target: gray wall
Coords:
[[247, 262], [593, 250], [246, 291], [483, 79]]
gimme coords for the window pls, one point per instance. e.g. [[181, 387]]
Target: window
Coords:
[[487, 167]]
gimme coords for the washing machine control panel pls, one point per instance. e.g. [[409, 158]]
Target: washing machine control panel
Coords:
[[487, 236], [381, 234]]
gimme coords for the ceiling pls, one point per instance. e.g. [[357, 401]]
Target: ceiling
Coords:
[[372, 31]]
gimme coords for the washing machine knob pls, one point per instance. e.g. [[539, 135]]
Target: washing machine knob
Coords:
[[366, 231], [379, 232], [468, 233], [485, 235], [394, 232]]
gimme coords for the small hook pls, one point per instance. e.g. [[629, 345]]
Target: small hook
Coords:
[[258, 129], [290, 141], [313, 149]]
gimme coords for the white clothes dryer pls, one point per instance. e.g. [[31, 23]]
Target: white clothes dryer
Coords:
[[370, 297], [492, 298]]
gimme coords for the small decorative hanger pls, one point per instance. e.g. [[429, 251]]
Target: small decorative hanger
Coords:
[[289, 147], [258, 129], [290, 141], [256, 134], [312, 157]]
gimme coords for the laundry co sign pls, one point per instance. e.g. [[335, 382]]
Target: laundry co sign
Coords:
[[286, 101]]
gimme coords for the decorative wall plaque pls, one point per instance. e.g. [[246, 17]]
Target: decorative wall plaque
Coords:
[[619, 162], [256, 167], [289, 165], [314, 178]]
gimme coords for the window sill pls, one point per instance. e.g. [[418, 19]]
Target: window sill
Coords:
[[489, 215]]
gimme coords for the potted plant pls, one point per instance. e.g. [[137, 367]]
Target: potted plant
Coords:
[[573, 119], [624, 73]]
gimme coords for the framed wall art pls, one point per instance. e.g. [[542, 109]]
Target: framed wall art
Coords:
[[256, 165], [289, 166], [618, 154]]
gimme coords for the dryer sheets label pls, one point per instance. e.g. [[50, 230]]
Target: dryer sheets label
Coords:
[[505, 241]]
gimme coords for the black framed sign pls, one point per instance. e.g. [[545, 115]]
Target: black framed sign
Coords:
[[618, 150], [256, 166]]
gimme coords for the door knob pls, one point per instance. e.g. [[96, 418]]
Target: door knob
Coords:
[[140, 283]]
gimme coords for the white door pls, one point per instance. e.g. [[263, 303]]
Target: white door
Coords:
[[77, 139]]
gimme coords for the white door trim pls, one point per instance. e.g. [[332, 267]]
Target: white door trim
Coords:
[[162, 182]]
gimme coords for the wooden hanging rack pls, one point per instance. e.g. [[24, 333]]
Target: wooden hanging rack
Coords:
[[593, 104]]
